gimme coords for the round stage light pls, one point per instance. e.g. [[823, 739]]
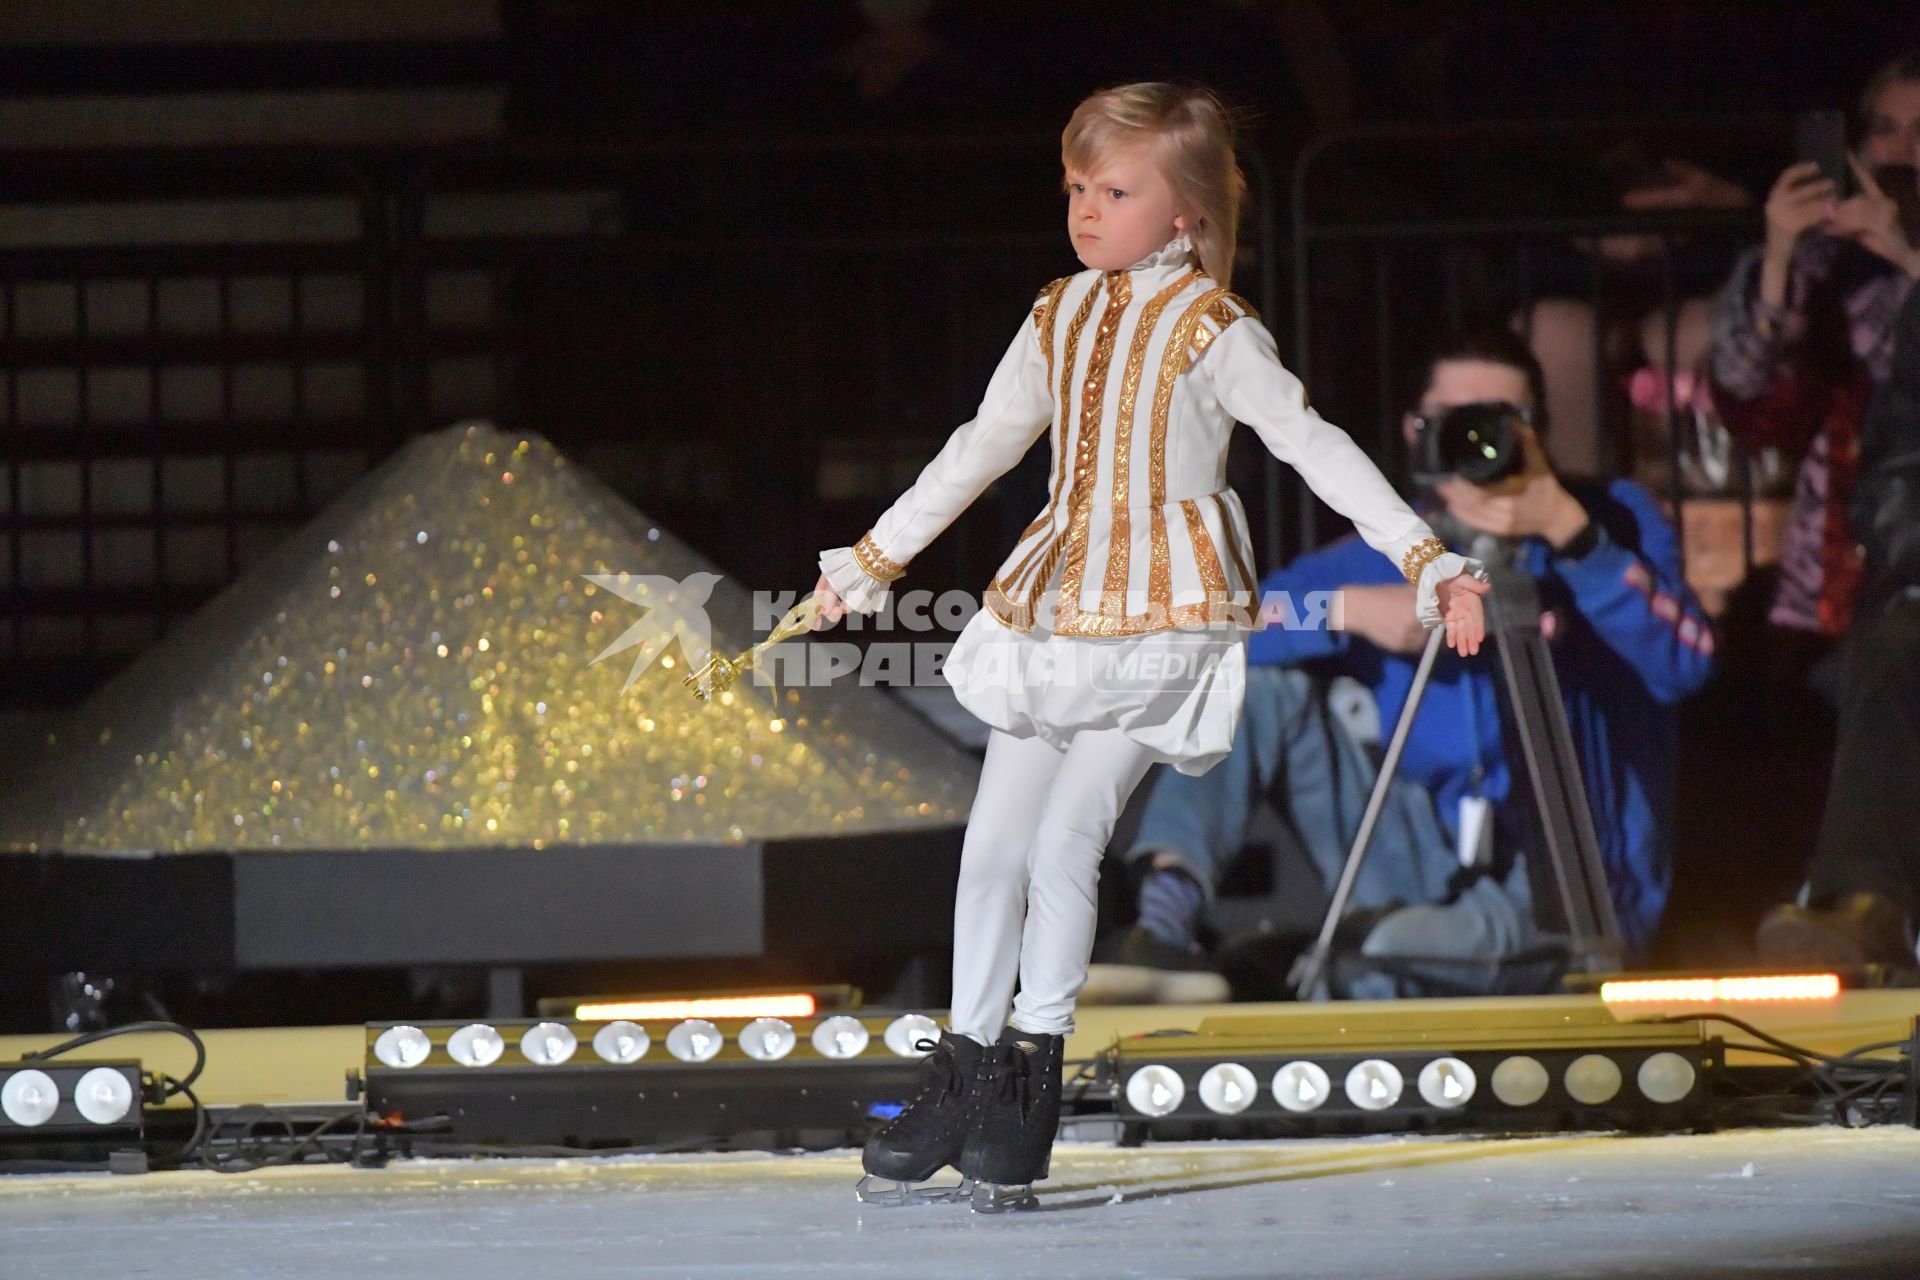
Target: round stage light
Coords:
[[402, 1047], [103, 1096], [1374, 1085], [904, 1032], [1666, 1077], [1301, 1086], [1593, 1078], [1447, 1082], [1228, 1088], [767, 1039], [840, 1037], [1156, 1090], [476, 1045], [548, 1044], [1520, 1081], [621, 1042], [29, 1097], [695, 1040]]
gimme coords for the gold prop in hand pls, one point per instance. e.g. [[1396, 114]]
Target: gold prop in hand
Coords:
[[718, 672]]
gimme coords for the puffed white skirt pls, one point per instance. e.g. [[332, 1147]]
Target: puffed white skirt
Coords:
[[1176, 692]]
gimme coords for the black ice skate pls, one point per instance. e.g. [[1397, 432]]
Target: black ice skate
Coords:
[[1011, 1143], [930, 1131]]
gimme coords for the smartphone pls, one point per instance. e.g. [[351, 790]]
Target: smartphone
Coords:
[[1821, 136]]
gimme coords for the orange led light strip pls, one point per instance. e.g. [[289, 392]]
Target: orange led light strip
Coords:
[[778, 1006], [1793, 986]]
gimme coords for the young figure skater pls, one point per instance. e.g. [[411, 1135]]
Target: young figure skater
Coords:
[[1140, 563]]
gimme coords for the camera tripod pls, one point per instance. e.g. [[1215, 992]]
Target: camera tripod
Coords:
[[1572, 908]]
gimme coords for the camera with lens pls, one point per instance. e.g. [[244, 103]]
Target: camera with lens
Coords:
[[1482, 443]]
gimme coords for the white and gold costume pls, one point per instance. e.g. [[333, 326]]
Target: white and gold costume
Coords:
[[1137, 378], [1141, 656]]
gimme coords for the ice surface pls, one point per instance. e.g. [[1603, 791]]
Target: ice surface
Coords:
[[1800, 1203]]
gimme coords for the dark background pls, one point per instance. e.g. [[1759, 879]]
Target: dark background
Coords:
[[803, 232]]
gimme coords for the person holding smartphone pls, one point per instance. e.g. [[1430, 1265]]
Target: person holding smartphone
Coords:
[[1803, 333]]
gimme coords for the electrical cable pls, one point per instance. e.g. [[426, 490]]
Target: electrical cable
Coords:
[[132, 1028], [1852, 1087], [1787, 1048], [252, 1154]]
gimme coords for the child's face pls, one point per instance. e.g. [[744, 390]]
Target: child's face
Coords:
[[1121, 210]]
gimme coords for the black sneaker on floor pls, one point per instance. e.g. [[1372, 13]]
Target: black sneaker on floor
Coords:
[[1148, 970], [1010, 1146]]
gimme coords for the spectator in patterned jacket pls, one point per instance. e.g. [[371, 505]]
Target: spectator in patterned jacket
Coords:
[[1803, 333]]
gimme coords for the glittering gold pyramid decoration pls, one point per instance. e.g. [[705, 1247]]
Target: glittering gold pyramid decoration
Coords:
[[415, 668]]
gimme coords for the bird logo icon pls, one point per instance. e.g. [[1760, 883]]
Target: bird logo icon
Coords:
[[675, 610]]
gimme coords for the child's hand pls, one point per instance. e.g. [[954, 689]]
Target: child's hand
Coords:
[[832, 607], [1460, 609]]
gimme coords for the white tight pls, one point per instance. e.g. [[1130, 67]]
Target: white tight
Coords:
[[1029, 870]]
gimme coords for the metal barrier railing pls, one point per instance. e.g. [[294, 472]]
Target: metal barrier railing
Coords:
[[1392, 310], [157, 341], [706, 348]]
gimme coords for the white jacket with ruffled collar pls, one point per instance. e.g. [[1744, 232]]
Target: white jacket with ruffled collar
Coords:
[[1137, 377]]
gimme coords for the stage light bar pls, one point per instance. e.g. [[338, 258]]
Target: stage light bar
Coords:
[[1624, 1085], [61, 1106], [798, 1005], [1731, 990], [527, 1083], [552, 1042]]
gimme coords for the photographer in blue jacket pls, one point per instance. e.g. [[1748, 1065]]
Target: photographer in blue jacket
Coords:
[[1445, 877]]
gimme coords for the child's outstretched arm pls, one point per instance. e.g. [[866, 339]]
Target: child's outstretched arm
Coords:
[[1014, 412], [1255, 388]]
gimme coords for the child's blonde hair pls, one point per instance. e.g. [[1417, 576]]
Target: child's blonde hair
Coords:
[[1193, 139]]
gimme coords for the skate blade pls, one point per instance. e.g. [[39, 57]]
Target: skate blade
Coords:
[[891, 1193], [994, 1197]]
